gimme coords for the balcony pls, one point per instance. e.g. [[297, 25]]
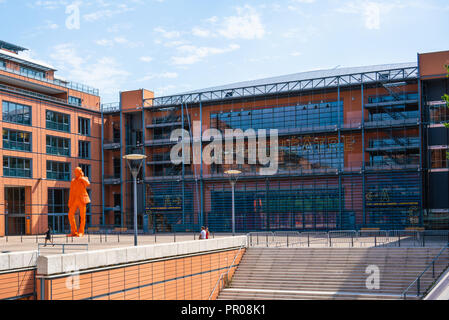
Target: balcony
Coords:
[[386, 101], [169, 121], [112, 180], [56, 82], [408, 122], [159, 142], [393, 145], [160, 159], [111, 145], [393, 164], [114, 209]]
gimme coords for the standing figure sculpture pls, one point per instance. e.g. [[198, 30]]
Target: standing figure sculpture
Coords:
[[78, 199]]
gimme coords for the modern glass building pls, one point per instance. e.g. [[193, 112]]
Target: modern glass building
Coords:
[[357, 148]]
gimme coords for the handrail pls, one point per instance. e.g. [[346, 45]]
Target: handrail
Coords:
[[418, 279], [63, 245], [225, 273]]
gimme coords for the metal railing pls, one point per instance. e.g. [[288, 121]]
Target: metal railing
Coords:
[[223, 280], [424, 282], [69, 85], [64, 247], [349, 238]]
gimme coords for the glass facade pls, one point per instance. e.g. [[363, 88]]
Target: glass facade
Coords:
[[58, 171], [58, 121], [282, 117], [57, 210], [16, 113], [75, 101], [17, 167], [16, 140], [58, 146], [32, 72]]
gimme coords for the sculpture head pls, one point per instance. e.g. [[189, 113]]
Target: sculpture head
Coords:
[[78, 172]]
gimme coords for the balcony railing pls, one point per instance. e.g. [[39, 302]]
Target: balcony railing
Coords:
[[24, 173], [69, 85], [114, 179]]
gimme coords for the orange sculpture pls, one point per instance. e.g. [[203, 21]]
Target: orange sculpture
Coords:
[[77, 200]]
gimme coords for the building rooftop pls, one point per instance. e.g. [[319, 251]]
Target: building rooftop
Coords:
[[11, 47], [301, 76], [311, 80]]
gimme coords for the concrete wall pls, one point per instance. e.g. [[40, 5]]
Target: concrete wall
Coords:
[[185, 270]]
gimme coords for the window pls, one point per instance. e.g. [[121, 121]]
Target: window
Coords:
[[58, 146], [84, 126], [58, 171], [17, 167], [2, 64], [32, 72], [16, 113], [75, 101], [58, 201], [84, 149], [58, 121], [86, 170], [16, 140]]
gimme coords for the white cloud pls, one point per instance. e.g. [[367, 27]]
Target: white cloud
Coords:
[[373, 12], [119, 40], [164, 75], [146, 59], [245, 25], [104, 73], [191, 54], [199, 32], [167, 34]]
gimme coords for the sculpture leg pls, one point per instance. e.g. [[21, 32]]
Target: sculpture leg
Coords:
[[72, 221], [82, 219]]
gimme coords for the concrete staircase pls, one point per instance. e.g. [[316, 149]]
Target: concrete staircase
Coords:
[[327, 273]]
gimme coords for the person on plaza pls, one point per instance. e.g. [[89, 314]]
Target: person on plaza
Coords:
[[203, 233], [78, 199], [48, 237], [207, 233]]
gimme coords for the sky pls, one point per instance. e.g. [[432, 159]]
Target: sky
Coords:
[[174, 46]]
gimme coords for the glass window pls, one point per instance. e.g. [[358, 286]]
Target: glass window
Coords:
[[16, 140], [75, 101], [58, 121], [32, 72], [16, 113], [58, 146], [84, 149], [16, 167], [58, 171], [84, 126]]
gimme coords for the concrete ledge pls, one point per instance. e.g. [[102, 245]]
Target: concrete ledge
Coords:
[[64, 263], [18, 260]]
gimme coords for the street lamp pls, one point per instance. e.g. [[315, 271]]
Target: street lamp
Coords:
[[233, 176], [135, 162]]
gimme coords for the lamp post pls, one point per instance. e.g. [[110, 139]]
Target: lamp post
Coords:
[[135, 162], [233, 176]]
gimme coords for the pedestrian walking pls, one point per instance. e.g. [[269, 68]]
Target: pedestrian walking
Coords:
[[48, 237], [203, 234], [207, 232]]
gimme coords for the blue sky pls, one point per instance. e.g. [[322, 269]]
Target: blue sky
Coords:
[[172, 46]]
